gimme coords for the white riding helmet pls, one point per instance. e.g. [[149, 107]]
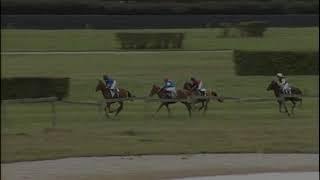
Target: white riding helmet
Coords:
[[280, 75]]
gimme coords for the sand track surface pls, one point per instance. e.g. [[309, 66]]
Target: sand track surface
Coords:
[[157, 166]]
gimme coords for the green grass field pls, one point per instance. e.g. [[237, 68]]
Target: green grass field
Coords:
[[204, 39], [227, 127]]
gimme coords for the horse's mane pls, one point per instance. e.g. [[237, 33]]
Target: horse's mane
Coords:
[[154, 85], [187, 84]]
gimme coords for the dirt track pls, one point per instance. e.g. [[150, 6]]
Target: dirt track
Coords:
[[157, 166]]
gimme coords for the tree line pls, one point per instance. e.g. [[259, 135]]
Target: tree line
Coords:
[[126, 7]]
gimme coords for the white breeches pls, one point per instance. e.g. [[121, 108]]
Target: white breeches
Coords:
[[171, 89], [113, 86], [200, 86], [286, 88]]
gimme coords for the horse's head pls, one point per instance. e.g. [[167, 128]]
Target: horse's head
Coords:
[[273, 86], [154, 90], [100, 86], [187, 85]]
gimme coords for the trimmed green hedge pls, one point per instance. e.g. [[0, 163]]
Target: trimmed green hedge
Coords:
[[150, 40], [34, 87], [243, 29], [252, 28], [272, 62]]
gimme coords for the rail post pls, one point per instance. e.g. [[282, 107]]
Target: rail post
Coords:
[[54, 114], [4, 116], [100, 107]]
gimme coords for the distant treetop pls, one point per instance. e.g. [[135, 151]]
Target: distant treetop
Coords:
[[159, 6]]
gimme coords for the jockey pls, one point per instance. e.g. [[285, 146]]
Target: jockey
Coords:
[[169, 86], [111, 85], [284, 85], [197, 86]]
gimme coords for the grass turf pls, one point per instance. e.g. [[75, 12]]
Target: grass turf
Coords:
[[227, 127], [205, 39]]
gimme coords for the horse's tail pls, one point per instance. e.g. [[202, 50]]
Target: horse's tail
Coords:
[[220, 99], [298, 92], [130, 95], [300, 104]]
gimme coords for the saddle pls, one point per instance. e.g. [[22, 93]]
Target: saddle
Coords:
[[170, 95], [201, 92], [286, 91]]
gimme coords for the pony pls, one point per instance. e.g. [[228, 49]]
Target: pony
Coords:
[[282, 98], [123, 93], [182, 97], [204, 101]]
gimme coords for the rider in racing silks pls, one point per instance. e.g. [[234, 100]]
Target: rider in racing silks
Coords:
[[111, 84], [197, 85], [284, 85], [169, 86]]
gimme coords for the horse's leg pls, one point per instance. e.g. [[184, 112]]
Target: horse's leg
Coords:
[[109, 107], [205, 107], [280, 106], [293, 106], [193, 104], [300, 104], [119, 108], [189, 108], [285, 107], [158, 109], [169, 110], [202, 105], [105, 110]]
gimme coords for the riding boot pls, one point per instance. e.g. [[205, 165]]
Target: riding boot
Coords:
[[115, 94], [286, 92], [202, 93], [171, 95], [174, 94], [168, 95], [111, 93]]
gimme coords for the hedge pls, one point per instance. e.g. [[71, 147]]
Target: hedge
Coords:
[[34, 87], [150, 40], [252, 28], [243, 29], [272, 62]]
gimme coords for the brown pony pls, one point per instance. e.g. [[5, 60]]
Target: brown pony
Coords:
[[107, 95], [204, 102], [181, 94], [297, 93]]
